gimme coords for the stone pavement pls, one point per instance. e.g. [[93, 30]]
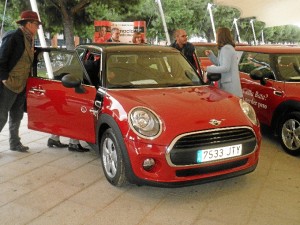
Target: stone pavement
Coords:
[[54, 186]]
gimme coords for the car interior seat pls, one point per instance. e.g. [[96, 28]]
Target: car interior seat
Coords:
[[92, 68], [286, 67]]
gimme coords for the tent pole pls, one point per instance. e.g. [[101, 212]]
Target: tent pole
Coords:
[[42, 40], [209, 6], [252, 25], [1, 32], [237, 29], [163, 21]]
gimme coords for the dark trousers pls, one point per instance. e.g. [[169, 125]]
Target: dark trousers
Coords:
[[12, 105]]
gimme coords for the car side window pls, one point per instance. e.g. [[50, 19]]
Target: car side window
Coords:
[[289, 67], [80, 52], [246, 64], [200, 50], [55, 64], [251, 60], [91, 64]]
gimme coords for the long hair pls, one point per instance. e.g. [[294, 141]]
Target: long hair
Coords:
[[224, 37], [136, 35]]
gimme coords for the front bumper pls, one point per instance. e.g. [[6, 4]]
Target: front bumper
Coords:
[[170, 171]]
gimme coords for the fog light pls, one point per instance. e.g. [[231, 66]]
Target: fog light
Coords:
[[148, 164]]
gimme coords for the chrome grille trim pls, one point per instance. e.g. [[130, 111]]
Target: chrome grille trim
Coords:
[[210, 139]]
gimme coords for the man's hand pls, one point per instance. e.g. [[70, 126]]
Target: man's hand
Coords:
[[207, 52]]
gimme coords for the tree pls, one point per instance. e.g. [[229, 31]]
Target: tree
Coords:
[[191, 15], [70, 16], [11, 15], [75, 13]]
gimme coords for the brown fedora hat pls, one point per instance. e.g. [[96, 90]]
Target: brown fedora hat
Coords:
[[29, 16]]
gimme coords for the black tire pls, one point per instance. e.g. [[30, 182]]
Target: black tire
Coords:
[[289, 131], [112, 159]]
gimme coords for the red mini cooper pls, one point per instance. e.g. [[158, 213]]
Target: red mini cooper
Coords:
[[146, 111], [270, 77]]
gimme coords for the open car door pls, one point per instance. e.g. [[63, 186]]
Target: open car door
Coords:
[[54, 108]]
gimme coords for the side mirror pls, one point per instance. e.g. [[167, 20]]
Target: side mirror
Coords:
[[256, 74], [261, 74], [70, 81], [213, 76]]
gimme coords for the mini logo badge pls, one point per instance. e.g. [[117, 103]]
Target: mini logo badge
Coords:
[[215, 122]]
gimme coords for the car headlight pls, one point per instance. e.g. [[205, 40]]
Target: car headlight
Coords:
[[249, 111], [145, 123]]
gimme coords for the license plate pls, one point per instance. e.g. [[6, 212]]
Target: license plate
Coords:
[[218, 153]]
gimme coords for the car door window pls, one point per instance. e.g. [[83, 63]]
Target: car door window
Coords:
[[246, 64], [80, 52], [56, 64], [289, 67], [251, 60], [200, 50]]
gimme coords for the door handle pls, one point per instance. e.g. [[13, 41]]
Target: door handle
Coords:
[[38, 90], [94, 112], [278, 93]]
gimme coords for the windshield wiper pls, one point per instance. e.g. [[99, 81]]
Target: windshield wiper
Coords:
[[179, 84], [122, 86]]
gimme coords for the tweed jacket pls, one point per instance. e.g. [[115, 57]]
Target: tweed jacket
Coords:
[[11, 50]]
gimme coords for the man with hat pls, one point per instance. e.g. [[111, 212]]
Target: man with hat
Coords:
[[16, 57]]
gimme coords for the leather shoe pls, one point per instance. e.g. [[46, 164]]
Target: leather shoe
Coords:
[[19, 148], [52, 144], [77, 148]]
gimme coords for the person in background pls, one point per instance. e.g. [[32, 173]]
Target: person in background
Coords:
[[137, 38], [101, 35], [16, 58], [226, 63], [115, 35], [185, 47], [74, 145]]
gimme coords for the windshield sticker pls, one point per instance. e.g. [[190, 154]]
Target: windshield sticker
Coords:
[[140, 82]]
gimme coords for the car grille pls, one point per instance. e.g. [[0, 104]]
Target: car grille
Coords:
[[183, 150]]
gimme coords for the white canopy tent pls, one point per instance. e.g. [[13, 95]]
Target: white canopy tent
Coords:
[[272, 12]]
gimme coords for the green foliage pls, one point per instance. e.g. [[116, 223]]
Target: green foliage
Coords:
[[289, 34], [13, 9]]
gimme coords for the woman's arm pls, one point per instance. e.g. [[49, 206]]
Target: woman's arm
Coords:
[[226, 55]]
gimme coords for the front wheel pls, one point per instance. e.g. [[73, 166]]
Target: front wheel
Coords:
[[289, 131], [112, 159]]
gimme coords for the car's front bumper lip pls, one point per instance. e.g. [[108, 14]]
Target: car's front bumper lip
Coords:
[[196, 181]]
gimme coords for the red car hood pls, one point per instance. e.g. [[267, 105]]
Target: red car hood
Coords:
[[181, 110]]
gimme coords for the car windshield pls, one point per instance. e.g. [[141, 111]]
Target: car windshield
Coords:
[[149, 70]]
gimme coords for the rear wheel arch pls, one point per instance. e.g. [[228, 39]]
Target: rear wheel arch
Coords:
[[281, 111]]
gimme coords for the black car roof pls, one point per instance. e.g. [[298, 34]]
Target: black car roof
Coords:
[[125, 47]]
